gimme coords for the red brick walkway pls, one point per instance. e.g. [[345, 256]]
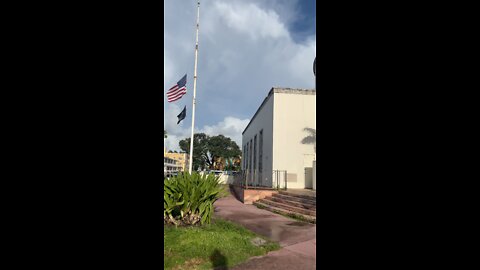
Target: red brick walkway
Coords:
[[297, 239]]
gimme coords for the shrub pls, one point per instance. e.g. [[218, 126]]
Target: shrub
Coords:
[[188, 198]]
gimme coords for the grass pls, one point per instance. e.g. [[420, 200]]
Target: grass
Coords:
[[220, 244]]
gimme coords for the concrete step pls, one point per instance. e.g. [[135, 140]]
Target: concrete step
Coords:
[[289, 207], [296, 199], [298, 195], [285, 212], [287, 200]]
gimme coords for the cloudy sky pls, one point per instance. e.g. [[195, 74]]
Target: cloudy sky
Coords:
[[245, 48]]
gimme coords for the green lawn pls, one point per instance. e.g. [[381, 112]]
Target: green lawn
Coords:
[[221, 243]]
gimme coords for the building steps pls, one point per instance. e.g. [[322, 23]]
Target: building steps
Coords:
[[289, 207], [306, 202], [302, 196], [285, 212], [286, 200], [287, 203]]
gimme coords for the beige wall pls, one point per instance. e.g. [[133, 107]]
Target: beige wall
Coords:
[[226, 179], [283, 116], [294, 111]]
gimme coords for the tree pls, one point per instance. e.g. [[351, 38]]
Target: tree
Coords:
[[199, 147], [221, 147], [206, 149], [164, 134]]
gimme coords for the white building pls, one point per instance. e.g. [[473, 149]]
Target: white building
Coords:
[[276, 145]]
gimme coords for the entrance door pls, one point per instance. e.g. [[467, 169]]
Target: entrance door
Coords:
[[307, 164]]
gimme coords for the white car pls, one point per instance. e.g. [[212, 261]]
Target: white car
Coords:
[[216, 172]]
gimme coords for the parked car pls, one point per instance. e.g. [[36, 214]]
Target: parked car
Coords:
[[216, 172], [169, 174]]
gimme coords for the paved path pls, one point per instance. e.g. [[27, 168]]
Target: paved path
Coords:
[[297, 239]]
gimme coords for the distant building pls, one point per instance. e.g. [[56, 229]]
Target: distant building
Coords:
[[182, 159], [170, 166], [274, 143]]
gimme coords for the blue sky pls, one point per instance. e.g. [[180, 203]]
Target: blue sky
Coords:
[[245, 48]]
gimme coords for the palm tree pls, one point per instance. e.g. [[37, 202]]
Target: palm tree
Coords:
[[311, 139]]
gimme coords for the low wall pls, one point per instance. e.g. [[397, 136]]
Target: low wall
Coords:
[[253, 195], [248, 196], [226, 179], [237, 192]]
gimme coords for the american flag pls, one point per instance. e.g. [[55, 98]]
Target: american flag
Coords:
[[178, 90]]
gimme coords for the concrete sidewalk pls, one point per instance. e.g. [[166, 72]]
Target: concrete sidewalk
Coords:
[[297, 239]]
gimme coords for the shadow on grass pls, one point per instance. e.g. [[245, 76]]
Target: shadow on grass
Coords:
[[219, 262]]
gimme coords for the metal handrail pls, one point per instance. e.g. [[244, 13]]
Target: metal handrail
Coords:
[[277, 178], [243, 179]]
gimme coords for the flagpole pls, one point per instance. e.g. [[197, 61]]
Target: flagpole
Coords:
[[194, 90]]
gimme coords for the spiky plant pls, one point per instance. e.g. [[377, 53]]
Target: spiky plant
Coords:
[[188, 198]]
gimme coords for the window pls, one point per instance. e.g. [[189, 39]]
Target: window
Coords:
[[243, 158], [254, 153], [250, 157], [260, 152], [246, 157]]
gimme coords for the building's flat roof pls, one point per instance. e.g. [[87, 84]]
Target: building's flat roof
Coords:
[[295, 91]]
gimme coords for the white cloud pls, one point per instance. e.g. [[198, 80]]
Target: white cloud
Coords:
[[251, 20], [230, 127], [245, 48]]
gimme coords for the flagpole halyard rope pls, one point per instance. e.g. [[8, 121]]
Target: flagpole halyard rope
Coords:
[[194, 89]]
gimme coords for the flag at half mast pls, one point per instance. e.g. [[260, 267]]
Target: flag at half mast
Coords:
[[178, 90], [182, 115]]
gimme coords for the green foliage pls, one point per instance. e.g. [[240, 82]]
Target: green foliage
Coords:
[[222, 147], [188, 199], [208, 148], [199, 147]]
